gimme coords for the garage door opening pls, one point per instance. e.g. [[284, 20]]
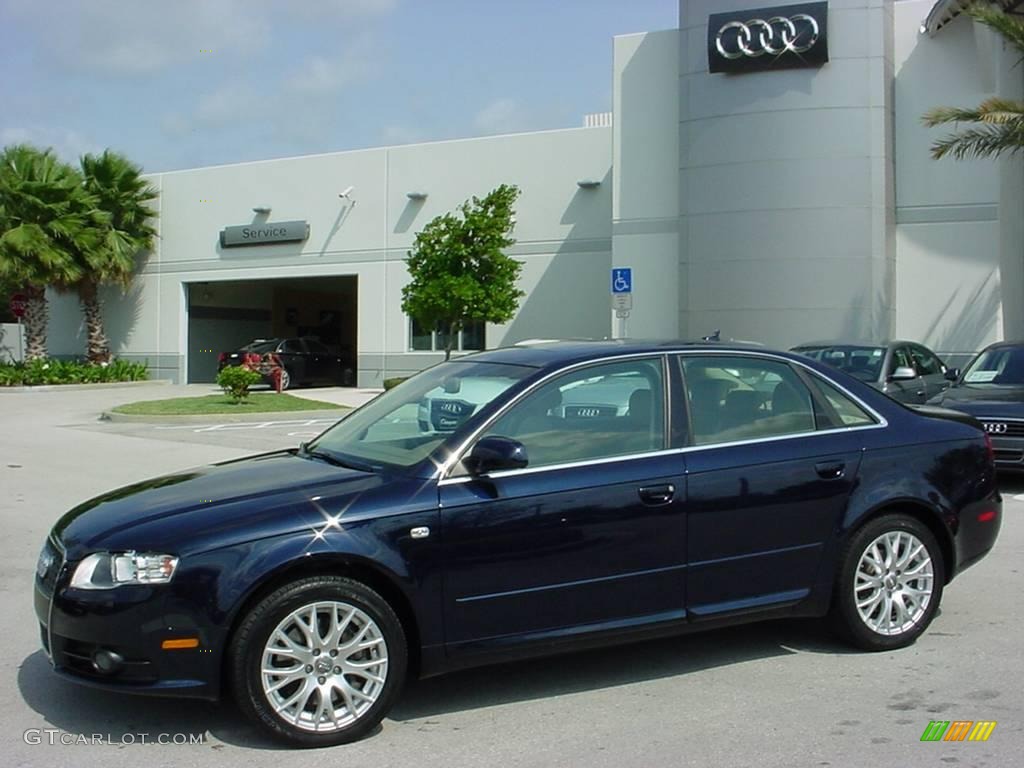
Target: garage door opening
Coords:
[[320, 312]]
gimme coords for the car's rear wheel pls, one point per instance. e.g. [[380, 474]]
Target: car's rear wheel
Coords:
[[319, 661], [890, 583]]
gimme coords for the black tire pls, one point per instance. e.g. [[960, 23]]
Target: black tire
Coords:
[[866, 632], [251, 643]]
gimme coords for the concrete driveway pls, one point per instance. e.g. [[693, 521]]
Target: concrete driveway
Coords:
[[776, 694]]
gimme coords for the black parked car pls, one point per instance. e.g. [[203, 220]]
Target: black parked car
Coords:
[[904, 370], [992, 390], [317, 578], [305, 361]]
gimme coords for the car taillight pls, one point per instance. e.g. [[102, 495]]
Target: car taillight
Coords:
[[987, 516], [988, 447]]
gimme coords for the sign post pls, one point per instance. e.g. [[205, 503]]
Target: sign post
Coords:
[[18, 304], [622, 297]]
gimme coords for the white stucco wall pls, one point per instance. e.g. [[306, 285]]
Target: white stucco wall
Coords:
[[786, 217], [645, 206], [563, 237], [959, 243]]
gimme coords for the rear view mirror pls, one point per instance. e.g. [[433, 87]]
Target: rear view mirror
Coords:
[[493, 454], [452, 385], [903, 373], [952, 374]]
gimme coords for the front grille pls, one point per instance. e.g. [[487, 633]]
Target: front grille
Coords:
[[1003, 427], [1009, 456]]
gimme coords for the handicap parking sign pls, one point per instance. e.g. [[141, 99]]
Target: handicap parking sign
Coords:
[[622, 280]]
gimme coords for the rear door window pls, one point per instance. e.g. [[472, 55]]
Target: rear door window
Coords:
[[744, 398]]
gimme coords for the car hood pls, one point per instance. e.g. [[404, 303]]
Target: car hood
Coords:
[[212, 506], [983, 401]]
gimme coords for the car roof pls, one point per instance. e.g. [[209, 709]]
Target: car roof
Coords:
[[850, 343], [1010, 343], [550, 353]]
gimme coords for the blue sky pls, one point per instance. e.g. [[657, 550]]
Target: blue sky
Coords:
[[182, 83]]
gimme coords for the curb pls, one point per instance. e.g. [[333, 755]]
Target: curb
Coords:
[[80, 387], [225, 418]]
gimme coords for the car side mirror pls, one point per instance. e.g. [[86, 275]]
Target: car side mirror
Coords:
[[952, 374], [903, 373], [493, 454]]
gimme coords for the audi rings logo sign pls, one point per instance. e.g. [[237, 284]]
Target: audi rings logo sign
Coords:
[[995, 427], [761, 39]]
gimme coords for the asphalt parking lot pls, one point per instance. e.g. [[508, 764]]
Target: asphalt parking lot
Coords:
[[776, 694]]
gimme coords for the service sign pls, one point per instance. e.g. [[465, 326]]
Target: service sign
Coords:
[[266, 232], [760, 39]]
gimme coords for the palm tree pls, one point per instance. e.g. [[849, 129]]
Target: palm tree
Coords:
[[47, 217], [998, 124], [122, 193]]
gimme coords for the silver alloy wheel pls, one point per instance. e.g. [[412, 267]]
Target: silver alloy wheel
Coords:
[[894, 583], [324, 666], [286, 379]]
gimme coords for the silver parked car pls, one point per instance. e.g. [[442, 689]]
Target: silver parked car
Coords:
[[904, 370]]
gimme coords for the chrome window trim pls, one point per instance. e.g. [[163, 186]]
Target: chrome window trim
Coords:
[[456, 456], [652, 454], [1000, 419]]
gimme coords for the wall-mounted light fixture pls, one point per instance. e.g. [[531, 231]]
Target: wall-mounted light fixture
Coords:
[[588, 183], [416, 195], [261, 209]]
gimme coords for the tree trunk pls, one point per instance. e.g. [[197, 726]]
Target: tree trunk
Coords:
[[97, 345], [35, 322], [450, 338]]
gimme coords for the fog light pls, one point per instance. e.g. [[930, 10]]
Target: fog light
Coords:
[[107, 662]]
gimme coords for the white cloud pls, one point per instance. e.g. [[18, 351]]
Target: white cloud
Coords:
[[68, 144], [136, 38], [399, 134], [501, 116]]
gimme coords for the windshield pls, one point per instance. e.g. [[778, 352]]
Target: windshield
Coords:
[[995, 367], [406, 424], [861, 362]]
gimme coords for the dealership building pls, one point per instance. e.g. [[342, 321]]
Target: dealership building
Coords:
[[763, 171]]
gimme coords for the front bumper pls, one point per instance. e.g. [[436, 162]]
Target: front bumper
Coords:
[[111, 639]]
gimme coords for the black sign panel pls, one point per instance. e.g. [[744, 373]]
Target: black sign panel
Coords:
[[760, 39], [267, 232]]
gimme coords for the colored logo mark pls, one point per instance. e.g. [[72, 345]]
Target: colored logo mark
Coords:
[[958, 730]]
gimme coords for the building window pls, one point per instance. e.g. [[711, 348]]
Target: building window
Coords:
[[421, 339]]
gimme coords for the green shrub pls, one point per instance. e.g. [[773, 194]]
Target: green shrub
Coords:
[[392, 383], [39, 372], [235, 380]]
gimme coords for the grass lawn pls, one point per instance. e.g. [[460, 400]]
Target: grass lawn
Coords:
[[257, 403]]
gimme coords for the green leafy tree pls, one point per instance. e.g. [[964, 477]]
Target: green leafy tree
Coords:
[[997, 124], [47, 217], [123, 194], [459, 273]]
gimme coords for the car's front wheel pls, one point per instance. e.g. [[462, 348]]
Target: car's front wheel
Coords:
[[319, 661], [889, 585]]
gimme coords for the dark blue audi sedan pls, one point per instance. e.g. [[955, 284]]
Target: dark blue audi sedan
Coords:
[[598, 492]]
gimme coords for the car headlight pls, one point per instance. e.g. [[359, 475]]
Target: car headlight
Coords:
[[106, 570]]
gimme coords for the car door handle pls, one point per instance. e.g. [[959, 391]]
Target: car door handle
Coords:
[[655, 495], [830, 470]]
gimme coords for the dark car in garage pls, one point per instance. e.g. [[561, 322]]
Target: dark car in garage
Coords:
[[991, 388], [303, 360], [308, 583], [904, 370]]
